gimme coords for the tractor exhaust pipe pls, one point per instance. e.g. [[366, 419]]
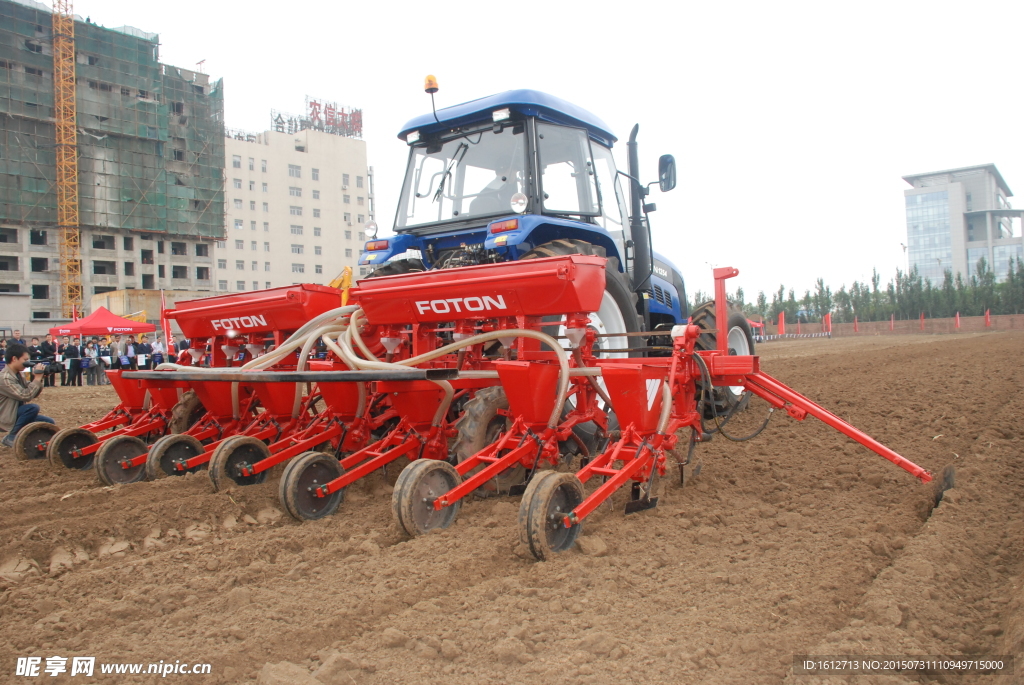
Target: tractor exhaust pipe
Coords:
[[641, 235]]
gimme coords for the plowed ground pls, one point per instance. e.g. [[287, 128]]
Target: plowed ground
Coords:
[[796, 542]]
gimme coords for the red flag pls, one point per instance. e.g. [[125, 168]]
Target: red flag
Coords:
[[856, 328], [958, 319], [798, 326], [828, 322], [892, 321], [922, 321], [988, 318], [74, 312], [165, 326], [782, 323]]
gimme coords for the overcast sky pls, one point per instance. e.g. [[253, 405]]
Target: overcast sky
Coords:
[[791, 123]]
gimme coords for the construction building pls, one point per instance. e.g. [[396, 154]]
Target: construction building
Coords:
[[957, 217], [150, 155], [297, 197]]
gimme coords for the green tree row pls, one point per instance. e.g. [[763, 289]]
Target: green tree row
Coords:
[[905, 296]]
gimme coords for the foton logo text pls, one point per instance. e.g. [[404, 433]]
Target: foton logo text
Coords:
[[239, 322], [461, 304]]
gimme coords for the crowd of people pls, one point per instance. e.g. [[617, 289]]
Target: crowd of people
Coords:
[[74, 358]]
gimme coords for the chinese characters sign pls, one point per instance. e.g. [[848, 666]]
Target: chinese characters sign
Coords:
[[321, 115]]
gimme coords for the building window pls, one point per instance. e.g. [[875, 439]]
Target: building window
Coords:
[[316, 231], [38, 264], [266, 227], [179, 155], [359, 181], [266, 206], [361, 221], [222, 243], [359, 201], [160, 271], [316, 213], [252, 205], [263, 165], [238, 224], [179, 249], [40, 315], [236, 161], [202, 250], [295, 211], [348, 235], [316, 174], [316, 194], [239, 244], [240, 285], [104, 268], [203, 273], [239, 265], [267, 285], [294, 191], [296, 230], [252, 185], [298, 268], [255, 285], [255, 266], [252, 225], [294, 171], [348, 251], [103, 242], [297, 249], [40, 292], [147, 256], [266, 247], [238, 203], [159, 247], [237, 182], [344, 180], [347, 199], [319, 268], [317, 250], [348, 217], [252, 245], [265, 188], [266, 267], [222, 263], [252, 164], [222, 285], [39, 238]]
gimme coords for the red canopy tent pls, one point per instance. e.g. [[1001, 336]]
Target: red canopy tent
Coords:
[[102, 322]]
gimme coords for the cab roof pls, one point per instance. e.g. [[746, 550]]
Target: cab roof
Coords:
[[526, 102]]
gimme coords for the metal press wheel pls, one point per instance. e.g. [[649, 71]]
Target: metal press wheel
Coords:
[[31, 440], [550, 496], [61, 448], [419, 484], [169, 449], [113, 452], [303, 475], [230, 454]]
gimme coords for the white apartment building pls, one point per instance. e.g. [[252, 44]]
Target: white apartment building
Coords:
[[295, 205]]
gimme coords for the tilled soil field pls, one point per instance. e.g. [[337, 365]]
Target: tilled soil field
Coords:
[[796, 542]]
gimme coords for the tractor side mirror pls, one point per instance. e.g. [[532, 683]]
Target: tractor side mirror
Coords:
[[666, 173]]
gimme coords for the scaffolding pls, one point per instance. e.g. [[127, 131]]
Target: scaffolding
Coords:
[[150, 137]]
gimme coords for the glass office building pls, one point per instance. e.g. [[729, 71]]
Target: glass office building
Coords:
[[929, 245]]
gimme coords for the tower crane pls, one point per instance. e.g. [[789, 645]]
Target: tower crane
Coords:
[[65, 117]]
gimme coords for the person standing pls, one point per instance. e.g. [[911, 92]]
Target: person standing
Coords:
[[63, 368], [15, 393], [35, 356], [103, 360], [131, 352], [116, 352], [145, 351], [18, 339], [172, 349], [73, 352], [159, 352], [49, 352]]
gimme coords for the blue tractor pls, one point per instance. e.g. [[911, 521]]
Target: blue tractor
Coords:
[[523, 174]]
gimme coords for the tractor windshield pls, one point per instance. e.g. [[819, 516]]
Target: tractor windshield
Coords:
[[475, 175]]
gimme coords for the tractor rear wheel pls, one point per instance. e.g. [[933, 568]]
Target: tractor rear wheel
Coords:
[[617, 314], [186, 412], [741, 342], [480, 426]]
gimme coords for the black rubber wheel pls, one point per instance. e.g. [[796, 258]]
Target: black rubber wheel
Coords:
[[185, 413], [401, 266], [546, 502], [412, 501], [169, 449], [109, 457], [480, 426], [30, 443], [232, 452], [741, 341], [618, 305], [302, 476], [65, 442]]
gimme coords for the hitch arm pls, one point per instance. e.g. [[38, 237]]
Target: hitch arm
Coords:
[[796, 405]]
